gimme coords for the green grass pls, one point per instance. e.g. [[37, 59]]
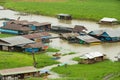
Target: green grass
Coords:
[[89, 71], [79, 9], [17, 59], [50, 49], [76, 59], [68, 53], [6, 35]]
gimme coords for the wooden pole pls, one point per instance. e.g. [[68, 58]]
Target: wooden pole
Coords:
[[34, 61]]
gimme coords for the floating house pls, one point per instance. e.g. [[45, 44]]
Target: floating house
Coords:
[[61, 29], [21, 44], [45, 26], [64, 17], [7, 19], [19, 73], [106, 35], [34, 47], [92, 57], [24, 27], [38, 37], [71, 37], [107, 20], [86, 39], [79, 29], [15, 29], [14, 43]]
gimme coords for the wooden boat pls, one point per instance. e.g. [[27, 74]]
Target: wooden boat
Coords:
[[57, 54]]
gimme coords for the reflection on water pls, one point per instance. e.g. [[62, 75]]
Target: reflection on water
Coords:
[[110, 49], [65, 21]]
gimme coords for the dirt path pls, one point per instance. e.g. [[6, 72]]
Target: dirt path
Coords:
[[64, 59]]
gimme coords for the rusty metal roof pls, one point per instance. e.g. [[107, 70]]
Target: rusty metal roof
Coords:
[[66, 35], [79, 28], [34, 45], [36, 35], [41, 24], [16, 27], [25, 22], [20, 70]]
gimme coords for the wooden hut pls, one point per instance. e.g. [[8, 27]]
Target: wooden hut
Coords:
[[19, 73], [32, 26], [34, 47], [71, 37], [39, 37], [106, 35], [14, 43], [107, 20], [15, 29], [45, 26], [92, 57], [86, 39], [64, 17]]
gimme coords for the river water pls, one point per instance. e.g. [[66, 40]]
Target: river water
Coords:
[[110, 49]]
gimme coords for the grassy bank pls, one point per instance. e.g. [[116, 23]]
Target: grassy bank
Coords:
[[6, 35], [50, 49], [95, 71], [16, 59], [79, 9]]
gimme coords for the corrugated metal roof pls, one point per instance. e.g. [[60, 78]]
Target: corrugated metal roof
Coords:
[[20, 70], [106, 19], [66, 35], [91, 55], [88, 38], [25, 22], [37, 24], [36, 35], [34, 45], [16, 40], [16, 27], [97, 32], [63, 14], [113, 33]]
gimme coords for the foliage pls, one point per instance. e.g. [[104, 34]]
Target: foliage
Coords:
[[68, 53], [76, 59], [95, 71], [79, 9], [50, 49], [71, 53]]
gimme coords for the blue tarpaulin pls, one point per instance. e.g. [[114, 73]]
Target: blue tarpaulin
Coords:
[[9, 31], [31, 50]]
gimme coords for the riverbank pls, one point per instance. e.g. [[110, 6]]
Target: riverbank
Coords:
[[97, 71], [79, 9], [19, 59]]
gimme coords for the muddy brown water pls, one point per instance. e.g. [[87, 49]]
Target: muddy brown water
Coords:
[[110, 49]]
